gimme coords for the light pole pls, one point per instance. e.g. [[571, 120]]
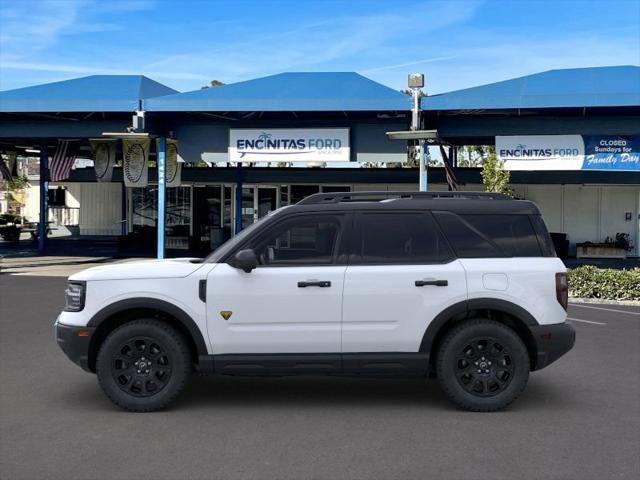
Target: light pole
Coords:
[[416, 83]]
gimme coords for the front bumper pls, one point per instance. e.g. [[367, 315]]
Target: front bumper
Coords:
[[552, 341], [75, 342]]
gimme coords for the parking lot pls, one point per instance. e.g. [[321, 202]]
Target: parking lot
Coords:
[[578, 419]]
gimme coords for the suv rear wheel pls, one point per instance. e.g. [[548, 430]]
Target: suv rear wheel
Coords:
[[482, 365], [143, 365]]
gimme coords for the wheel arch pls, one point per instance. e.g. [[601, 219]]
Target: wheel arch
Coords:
[[503, 311], [123, 311]]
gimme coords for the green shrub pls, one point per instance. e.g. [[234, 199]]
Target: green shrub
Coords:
[[588, 281]]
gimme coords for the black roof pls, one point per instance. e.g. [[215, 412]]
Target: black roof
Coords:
[[458, 202]]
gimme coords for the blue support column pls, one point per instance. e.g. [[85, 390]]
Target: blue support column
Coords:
[[162, 183], [424, 159], [238, 226], [44, 200]]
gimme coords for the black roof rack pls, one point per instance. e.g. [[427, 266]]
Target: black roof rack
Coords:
[[375, 196]]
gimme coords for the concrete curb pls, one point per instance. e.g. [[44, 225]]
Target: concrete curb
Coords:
[[602, 301]]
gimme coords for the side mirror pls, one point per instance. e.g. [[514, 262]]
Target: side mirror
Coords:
[[245, 260]]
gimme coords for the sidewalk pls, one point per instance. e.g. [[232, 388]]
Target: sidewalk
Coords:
[[54, 266]]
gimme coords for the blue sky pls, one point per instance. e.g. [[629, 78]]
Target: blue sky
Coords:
[[184, 44]]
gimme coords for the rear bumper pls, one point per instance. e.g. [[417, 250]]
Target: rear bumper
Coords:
[[74, 342], [552, 341]]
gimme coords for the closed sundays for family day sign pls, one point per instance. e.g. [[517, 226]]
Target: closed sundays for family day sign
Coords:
[[569, 152], [289, 145]]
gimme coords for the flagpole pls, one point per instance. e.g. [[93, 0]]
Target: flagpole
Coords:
[[416, 82], [44, 199]]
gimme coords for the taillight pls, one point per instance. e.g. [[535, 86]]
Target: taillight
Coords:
[[562, 289]]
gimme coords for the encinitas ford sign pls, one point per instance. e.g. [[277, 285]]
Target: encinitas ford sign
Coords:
[[541, 152], [289, 145], [569, 152]]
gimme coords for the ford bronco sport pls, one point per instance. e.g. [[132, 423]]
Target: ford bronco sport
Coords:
[[462, 286]]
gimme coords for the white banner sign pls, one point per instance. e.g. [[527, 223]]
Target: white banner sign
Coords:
[[289, 145], [136, 162], [104, 157], [541, 152]]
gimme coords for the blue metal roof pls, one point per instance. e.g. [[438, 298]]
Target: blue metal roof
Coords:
[[306, 91], [96, 93], [577, 87]]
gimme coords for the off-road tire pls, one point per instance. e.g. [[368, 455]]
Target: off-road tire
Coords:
[[455, 351], [165, 355]]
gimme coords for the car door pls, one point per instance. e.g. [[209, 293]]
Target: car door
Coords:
[[401, 274], [290, 303]]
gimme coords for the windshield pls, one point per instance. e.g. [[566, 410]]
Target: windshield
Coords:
[[224, 249]]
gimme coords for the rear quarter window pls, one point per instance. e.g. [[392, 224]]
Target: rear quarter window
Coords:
[[544, 239], [478, 236]]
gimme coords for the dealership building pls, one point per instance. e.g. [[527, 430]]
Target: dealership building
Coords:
[[229, 155]]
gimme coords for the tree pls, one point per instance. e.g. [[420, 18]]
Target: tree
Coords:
[[495, 177], [474, 155], [15, 194], [213, 83]]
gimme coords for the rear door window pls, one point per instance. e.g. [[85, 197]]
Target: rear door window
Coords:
[[399, 238], [466, 240]]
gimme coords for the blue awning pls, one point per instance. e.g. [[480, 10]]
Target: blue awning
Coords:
[[96, 93], [577, 87], [288, 92]]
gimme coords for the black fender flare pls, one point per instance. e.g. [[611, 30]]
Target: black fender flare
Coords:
[[153, 303], [461, 309]]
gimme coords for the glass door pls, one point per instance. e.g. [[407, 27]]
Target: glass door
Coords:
[[248, 207], [256, 203], [267, 201]]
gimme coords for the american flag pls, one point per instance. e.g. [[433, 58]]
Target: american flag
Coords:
[[62, 161], [452, 181], [5, 173]]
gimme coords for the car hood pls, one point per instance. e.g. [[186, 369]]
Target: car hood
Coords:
[[171, 268]]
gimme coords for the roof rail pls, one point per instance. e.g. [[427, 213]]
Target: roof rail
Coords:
[[376, 196]]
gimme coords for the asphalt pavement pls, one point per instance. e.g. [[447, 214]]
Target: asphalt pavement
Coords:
[[578, 419]]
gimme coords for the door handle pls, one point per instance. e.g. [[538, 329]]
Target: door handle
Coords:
[[314, 283], [437, 283]]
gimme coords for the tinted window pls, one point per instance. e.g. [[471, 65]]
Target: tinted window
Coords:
[[404, 238], [544, 239], [300, 241], [467, 241], [477, 236], [514, 234]]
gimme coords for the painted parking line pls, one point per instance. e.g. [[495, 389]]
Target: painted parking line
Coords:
[[582, 305], [585, 321]]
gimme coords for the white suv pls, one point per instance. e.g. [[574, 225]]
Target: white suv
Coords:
[[464, 286]]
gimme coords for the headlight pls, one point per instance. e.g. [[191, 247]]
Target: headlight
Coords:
[[74, 296]]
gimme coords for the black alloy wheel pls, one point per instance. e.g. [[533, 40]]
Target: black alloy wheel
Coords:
[[482, 365], [143, 365]]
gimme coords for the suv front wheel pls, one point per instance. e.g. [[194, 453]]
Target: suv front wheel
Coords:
[[143, 365], [482, 365]]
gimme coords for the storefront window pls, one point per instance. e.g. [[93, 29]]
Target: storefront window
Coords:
[[335, 188], [298, 192], [144, 215], [144, 208], [178, 219]]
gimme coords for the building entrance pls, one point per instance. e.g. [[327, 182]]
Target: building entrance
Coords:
[[257, 201]]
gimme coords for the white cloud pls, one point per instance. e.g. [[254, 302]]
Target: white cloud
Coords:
[[408, 64]]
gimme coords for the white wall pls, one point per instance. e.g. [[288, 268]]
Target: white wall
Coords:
[[100, 208], [31, 208], [587, 212]]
